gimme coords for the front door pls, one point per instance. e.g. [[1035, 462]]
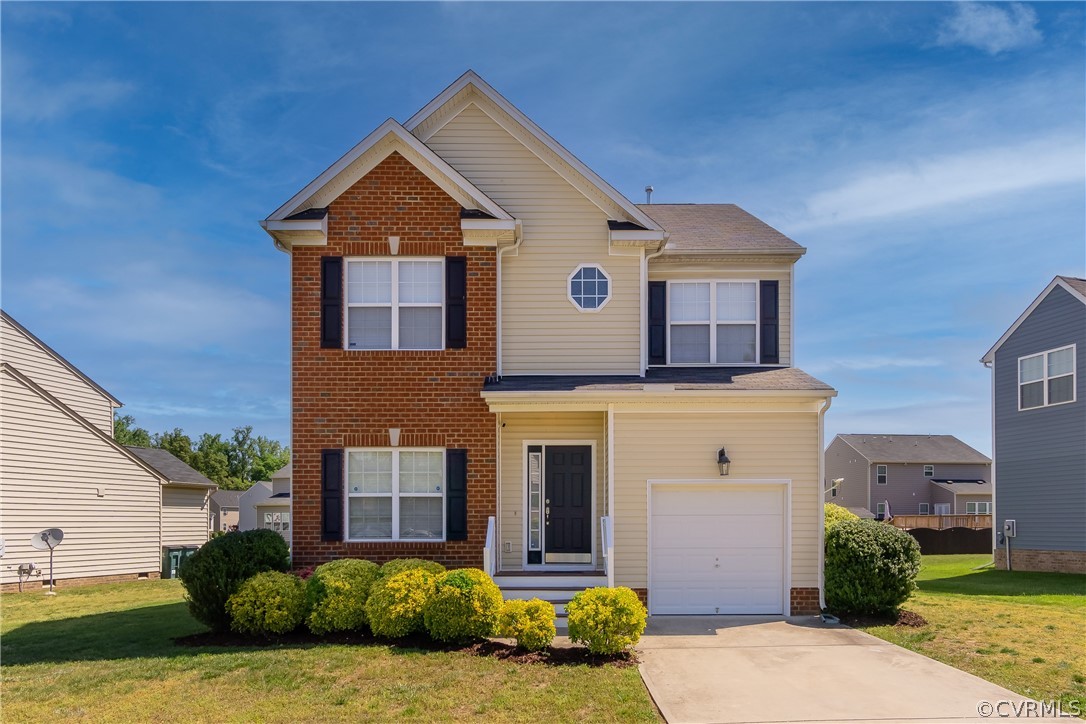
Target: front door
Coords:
[[567, 511]]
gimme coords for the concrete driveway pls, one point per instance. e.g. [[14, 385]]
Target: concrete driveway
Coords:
[[775, 669]]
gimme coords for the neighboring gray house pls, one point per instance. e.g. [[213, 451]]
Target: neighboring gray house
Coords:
[[1039, 431], [267, 504], [915, 474], [224, 510]]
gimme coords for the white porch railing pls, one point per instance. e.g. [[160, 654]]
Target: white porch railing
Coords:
[[607, 533], [490, 551]]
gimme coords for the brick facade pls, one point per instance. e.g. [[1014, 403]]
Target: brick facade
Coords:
[[344, 398], [40, 584], [1044, 561], [804, 602]]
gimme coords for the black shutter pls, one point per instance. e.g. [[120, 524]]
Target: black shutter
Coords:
[[331, 302], [769, 294], [456, 495], [456, 302], [657, 323], [332, 495]]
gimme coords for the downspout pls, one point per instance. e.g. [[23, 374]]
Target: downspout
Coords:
[[821, 507], [498, 306], [996, 528], [645, 258]]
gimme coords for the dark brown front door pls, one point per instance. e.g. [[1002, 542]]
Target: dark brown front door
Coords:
[[568, 504]]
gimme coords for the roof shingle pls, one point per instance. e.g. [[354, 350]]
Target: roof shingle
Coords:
[[915, 449], [716, 227], [170, 467], [684, 378]]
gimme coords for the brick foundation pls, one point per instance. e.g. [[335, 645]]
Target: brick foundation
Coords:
[[350, 398], [804, 602], [643, 595], [1042, 561], [37, 584]]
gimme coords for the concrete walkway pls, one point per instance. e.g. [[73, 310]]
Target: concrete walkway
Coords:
[[775, 669]]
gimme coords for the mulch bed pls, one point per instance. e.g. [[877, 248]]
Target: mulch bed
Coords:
[[905, 619], [553, 656]]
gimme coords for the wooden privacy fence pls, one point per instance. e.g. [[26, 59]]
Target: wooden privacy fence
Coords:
[[953, 540], [942, 522]]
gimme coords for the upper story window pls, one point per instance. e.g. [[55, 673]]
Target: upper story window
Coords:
[[1047, 378], [713, 322], [929, 471], [396, 494], [589, 288], [880, 475], [395, 304]]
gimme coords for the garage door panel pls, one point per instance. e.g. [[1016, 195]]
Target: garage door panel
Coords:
[[683, 499]]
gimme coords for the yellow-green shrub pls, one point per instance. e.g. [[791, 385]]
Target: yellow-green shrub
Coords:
[[836, 514], [531, 623], [464, 606], [396, 603], [337, 593], [606, 620], [268, 603], [400, 565]]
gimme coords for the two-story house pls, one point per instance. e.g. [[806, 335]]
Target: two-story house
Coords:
[[498, 360], [913, 474], [1039, 432]]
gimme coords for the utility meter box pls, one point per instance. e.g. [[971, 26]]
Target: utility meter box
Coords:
[[1009, 528]]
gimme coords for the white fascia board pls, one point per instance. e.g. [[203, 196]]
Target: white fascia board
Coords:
[[637, 238], [386, 129], [489, 224], [320, 225], [647, 395], [794, 254], [483, 88], [989, 356]]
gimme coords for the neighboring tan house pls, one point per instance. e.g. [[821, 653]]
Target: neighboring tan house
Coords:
[[186, 498], [61, 468], [1039, 431], [224, 510], [499, 361], [274, 511], [915, 474]]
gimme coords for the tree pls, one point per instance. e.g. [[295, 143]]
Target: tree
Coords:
[[241, 453], [268, 456], [125, 432], [175, 442], [212, 458]]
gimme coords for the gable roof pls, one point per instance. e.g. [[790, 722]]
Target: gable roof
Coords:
[[56, 355], [914, 449], [226, 498], [170, 467], [470, 86], [1075, 287], [964, 487], [718, 228]]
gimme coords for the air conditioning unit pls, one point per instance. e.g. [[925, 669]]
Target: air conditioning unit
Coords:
[[1009, 528]]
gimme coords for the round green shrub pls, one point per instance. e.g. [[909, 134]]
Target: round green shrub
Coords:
[[213, 573], [337, 593], [464, 606], [836, 514], [406, 564], [531, 623], [394, 608], [606, 620], [871, 567], [267, 604]]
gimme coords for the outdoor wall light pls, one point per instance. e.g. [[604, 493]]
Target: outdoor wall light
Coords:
[[723, 461]]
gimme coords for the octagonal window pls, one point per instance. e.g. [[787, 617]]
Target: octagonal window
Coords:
[[589, 288]]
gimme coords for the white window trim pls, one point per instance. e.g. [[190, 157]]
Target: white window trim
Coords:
[[926, 473], [925, 509], [945, 507], [1045, 378], [395, 495], [885, 473], [712, 322], [880, 509], [394, 303], [569, 288], [976, 505]]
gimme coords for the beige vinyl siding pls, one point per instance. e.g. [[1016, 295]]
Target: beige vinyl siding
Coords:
[[542, 331], [52, 468], [540, 427], [764, 445], [184, 516], [29, 358], [767, 271]]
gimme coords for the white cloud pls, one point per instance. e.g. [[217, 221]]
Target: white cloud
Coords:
[[927, 183], [872, 363], [991, 28], [33, 99]]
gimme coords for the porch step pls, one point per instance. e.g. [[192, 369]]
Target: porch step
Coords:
[[557, 589]]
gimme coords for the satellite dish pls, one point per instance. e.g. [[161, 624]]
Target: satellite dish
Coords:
[[47, 540]]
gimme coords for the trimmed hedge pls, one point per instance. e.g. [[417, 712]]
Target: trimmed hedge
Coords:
[[396, 603], [267, 604], [215, 572], [400, 565], [836, 514], [871, 567], [531, 623], [464, 606], [337, 593], [606, 620]]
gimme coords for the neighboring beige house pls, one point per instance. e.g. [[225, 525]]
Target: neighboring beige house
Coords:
[[224, 510], [267, 504], [248, 501], [61, 468]]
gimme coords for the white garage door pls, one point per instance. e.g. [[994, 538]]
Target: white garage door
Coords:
[[717, 549]]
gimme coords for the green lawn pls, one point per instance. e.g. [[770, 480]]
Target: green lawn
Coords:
[[105, 653], [1024, 631]]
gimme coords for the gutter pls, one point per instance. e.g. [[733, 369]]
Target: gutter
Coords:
[[645, 258], [821, 506], [498, 306]]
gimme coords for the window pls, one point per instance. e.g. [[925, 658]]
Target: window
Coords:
[[713, 322], [1047, 378], [925, 509], [880, 475], [395, 304], [589, 288], [929, 471], [880, 510], [942, 508], [395, 494], [278, 521], [980, 508], [833, 491]]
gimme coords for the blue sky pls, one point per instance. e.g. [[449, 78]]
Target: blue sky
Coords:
[[930, 156]]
